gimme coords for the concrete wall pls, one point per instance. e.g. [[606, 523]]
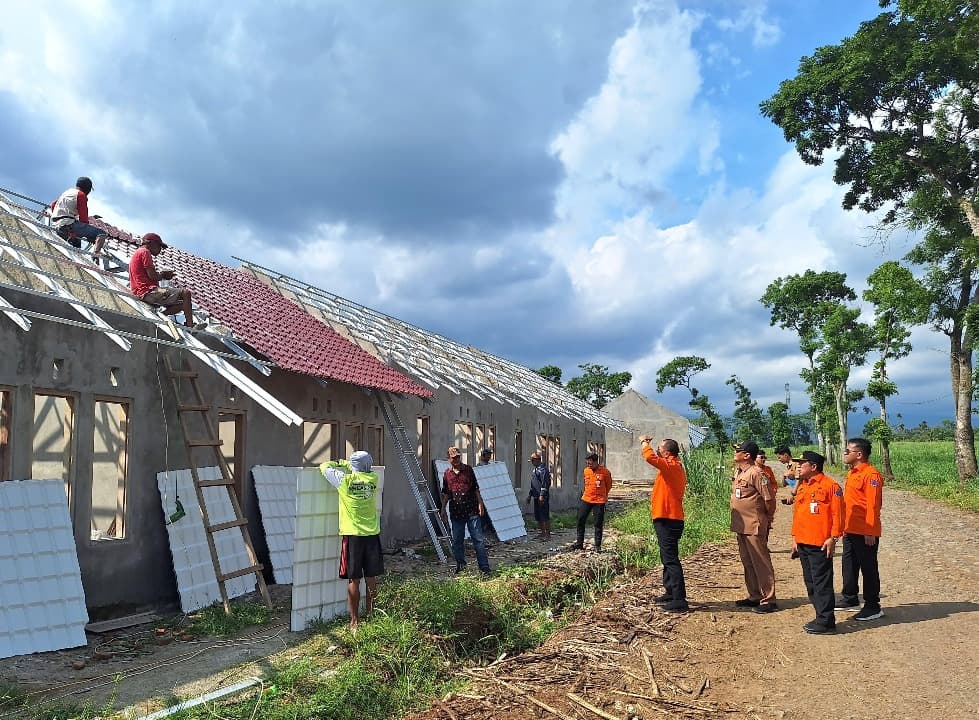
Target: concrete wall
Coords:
[[644, 417], [135, 571]]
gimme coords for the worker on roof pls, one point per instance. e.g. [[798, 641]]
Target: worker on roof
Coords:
[[69, 217], [144, 280]]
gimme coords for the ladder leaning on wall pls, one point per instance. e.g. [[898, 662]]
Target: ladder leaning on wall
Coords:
[[405, 449], [203, 435]]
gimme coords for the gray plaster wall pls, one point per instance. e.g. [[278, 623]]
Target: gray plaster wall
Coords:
[[644, 417], [121, 575]]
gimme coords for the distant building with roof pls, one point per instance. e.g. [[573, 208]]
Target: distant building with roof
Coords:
[[641, 416]]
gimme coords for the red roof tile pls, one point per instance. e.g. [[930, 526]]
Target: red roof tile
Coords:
[[275, 326]]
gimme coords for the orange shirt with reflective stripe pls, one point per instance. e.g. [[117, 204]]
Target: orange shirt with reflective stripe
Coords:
[[773, 483], [666, 500], [598, 483], [862, 498], [815, 528]]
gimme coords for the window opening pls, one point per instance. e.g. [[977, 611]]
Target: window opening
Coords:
[[231, 431], [110, 459], [51, 446], [320, 442]]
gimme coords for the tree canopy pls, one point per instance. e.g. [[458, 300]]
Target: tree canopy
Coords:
[[597, 385]]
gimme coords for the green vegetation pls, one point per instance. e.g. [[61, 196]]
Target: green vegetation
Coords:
[[928, 469], [212, 620], [410, 651]]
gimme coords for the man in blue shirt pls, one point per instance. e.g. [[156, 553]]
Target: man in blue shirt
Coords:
[[540, 495]]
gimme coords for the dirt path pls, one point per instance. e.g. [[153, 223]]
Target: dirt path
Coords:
[[920, 661]]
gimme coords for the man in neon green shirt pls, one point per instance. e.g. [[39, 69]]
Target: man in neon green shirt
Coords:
[[360, 528]]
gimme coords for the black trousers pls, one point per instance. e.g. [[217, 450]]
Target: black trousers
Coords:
[[859, 557], [817, 571], [668, 533], [598, 510]]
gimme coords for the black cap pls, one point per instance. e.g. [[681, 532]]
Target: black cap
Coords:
[[748, 446], [814, 457]]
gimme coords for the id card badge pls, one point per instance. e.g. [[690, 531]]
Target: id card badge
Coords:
[[814, 508], [737, 492], [598, 483]]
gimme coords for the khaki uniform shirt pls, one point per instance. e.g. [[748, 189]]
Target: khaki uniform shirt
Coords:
[[751, 494]]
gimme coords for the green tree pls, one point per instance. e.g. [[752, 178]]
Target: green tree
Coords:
[[899, 302], [748, 421], [802, 303], [597, 385], [678, 372], [846, 343], [550, 372], [896, 102], [778, 420]]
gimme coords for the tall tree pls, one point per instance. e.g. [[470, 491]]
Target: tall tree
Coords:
[[896, 101], [802, 303], [846, 343], [749, 422], [778, 420], [550, 372], [597, 385], [678, 372], [899, 302]]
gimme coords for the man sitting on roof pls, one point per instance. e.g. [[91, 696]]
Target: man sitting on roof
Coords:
[[144, 281], [69, 216]]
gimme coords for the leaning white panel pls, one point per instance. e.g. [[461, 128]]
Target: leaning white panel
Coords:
[[42, 603], [196, 581], [500, 501], [317, 592], [276, 490]]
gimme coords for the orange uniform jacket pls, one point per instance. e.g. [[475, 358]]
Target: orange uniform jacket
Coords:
[[818, 511], [862, 498], [666, 500], [771, 478], [598, 483]]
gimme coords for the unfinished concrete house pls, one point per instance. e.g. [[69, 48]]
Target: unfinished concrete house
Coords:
[[641, 416], [481, 400], [287, 378]]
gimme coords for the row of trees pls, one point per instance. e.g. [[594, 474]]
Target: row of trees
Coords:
[[595, 385], [896, 104]]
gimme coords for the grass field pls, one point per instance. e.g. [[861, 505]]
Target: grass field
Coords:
[[928, 469]]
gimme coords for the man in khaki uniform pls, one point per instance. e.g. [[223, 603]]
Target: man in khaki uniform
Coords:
[[752, 510]]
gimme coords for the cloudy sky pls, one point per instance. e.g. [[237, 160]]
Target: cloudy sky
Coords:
[[555, 181]]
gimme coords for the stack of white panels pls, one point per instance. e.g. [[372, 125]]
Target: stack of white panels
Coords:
[[276, 489], [500, 501], [42, 603], [196, 579]]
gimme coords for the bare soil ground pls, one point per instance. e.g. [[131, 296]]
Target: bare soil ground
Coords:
[[626, 658]]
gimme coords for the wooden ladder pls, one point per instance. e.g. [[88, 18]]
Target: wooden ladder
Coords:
[[204, 435]]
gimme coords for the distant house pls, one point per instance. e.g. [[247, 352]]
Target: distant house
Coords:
[[643, 417]]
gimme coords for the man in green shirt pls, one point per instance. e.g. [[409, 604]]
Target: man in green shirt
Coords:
[[360, 528]]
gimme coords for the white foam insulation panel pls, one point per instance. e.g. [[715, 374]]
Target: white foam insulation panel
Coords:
[[42, 603], [499, 499]]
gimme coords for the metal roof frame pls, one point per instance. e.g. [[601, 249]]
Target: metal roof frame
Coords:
[[434, 359]]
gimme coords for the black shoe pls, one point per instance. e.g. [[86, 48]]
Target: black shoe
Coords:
[[576, 546], [869, 613], [844, 604], [460, 568], [664, 598], [747, 602], [817, 628], [677, 607], [764, 608]]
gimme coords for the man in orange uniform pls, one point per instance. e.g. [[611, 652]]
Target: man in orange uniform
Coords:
[[752, 510], [598, 483], [666, 509], [817, 521], [862, 499], [761, 461]]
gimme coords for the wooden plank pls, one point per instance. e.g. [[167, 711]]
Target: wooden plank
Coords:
[[122, 622]]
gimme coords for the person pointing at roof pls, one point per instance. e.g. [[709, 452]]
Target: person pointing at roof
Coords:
[[144, 280]]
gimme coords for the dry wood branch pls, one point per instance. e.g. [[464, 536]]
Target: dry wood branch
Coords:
[[585, 704], [647, 658], [446, 710], [703, 686]]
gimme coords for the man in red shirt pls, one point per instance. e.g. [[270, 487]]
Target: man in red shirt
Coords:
[[862, 500], [598, 483], [144, 280], [666, 509]]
